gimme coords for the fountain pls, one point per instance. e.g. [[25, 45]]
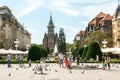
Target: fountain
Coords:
[[55, 50]]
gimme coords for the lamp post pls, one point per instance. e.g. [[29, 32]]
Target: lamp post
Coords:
[[78, 56], [27, 47], [16, 42], [104, 42]]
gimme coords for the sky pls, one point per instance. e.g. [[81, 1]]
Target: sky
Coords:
[[71, 15]]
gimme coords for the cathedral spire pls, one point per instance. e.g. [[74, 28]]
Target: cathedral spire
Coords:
[[51, 21], [118, 2], [117, 12], [50, 15]]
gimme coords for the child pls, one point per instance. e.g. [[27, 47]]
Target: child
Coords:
[[66, 63]]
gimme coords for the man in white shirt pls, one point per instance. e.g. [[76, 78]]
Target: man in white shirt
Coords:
[[61, 59]]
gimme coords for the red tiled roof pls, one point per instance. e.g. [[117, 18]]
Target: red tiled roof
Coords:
[[100, 15], [107, 17]]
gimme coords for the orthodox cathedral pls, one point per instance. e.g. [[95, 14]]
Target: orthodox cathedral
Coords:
[[50, 39]]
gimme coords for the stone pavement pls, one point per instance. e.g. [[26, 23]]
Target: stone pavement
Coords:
[[54, 72]]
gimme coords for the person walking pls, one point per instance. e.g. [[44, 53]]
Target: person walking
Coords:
[[9, 60], [29, 62], [108, 62], [66, 63], [20, 60], [61, 58]]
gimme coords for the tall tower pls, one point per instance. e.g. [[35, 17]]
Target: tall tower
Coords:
[[116, 27], [50, 25], [50, 39]]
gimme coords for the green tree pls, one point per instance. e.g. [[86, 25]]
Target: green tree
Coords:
[[93, 51], [75, 52], [44, 52], [62, 41], [84, 52], [97, 36], [34, 53], [81, 51], [68, 46]]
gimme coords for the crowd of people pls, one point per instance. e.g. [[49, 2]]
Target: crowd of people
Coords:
[[64, 61], [19, 58]]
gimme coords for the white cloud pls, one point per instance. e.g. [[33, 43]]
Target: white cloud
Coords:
[[29, 6], [87, 1], [59, 4], [63, 6], [92, 10]]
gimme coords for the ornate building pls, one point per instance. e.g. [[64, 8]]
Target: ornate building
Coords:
[[101, 22], [11, 29], [50, 39], [116, 27]]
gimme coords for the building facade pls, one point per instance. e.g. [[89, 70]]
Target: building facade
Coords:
[[11, 29], [102, 23], [116, 27], [50, 39]]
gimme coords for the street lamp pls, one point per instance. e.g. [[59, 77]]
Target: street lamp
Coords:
[[27, 47], [78, 56], [104, 42], [16, 42]]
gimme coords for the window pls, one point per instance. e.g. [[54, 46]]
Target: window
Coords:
[[4, 11]]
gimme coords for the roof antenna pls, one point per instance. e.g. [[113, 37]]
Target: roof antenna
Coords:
[[51, 15], [118, 2]]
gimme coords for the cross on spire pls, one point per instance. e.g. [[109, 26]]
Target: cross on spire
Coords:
[[118, 2], [51, 15]]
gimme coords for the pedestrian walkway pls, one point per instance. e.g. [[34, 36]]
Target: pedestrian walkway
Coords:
[[54, 72]]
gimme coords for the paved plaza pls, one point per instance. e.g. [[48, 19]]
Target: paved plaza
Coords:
[[54, 72]]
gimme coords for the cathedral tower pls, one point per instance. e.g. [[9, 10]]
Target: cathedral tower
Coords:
[[50, 39]]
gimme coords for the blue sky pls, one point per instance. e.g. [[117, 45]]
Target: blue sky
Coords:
[[71, 15]]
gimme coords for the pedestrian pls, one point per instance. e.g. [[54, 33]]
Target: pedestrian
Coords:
[[29, 62], [78, 59], [66, 62], [61, 58], [108, 62], [20, 60], [70, 59], [104, 60], [9, 60], [56, 59]]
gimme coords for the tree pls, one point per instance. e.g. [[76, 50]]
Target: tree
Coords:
[[34, 53], [84, 52], [96, 36], [68, 46], [62, 41], [44, 52], [75, 52], [93, 51], [81, 51]]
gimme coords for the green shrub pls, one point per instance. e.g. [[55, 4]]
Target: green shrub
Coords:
[[84, 52], [93, 51]]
